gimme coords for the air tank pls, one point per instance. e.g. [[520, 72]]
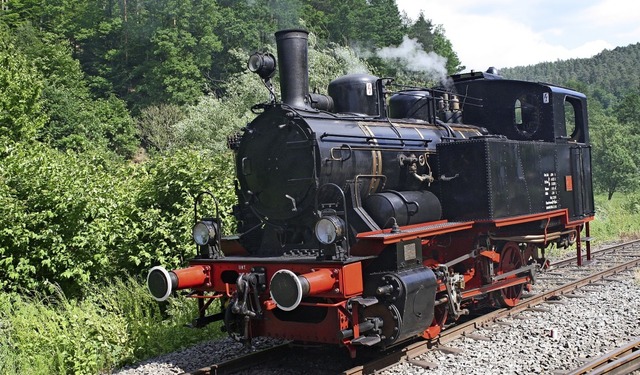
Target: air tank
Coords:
[[405, 207]]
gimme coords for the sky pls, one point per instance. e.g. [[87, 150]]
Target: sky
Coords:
[[509, 33]]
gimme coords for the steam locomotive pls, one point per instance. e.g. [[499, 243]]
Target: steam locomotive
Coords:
[[369, 217]]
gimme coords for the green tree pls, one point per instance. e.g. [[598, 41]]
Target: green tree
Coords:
[[627, 111], [75, 119], [364, 23], [145, 52], [21, 99], [182, 36], [242, 25], [443, 47], [615, 163], [422, 31], [156, 125]]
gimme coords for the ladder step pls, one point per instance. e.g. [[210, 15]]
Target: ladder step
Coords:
[[366, 340]]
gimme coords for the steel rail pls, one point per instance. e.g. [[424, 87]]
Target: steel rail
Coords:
[[606, 250], [242, 362], [622, 360]]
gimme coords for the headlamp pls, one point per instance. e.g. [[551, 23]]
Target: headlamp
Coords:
[[263, 64], [330, 229], [204, 232]]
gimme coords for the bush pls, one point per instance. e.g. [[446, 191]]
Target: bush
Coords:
[[76, 219], [53, 213], [156, 126], [164, 207]]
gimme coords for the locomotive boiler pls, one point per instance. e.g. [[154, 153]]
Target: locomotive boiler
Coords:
[[367, 217]]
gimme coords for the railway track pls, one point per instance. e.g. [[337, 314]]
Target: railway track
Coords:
[[622, 360], [242, 362], [597, 254], [411, 352]]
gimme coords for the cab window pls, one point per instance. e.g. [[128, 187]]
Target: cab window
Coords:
[[526, 115]]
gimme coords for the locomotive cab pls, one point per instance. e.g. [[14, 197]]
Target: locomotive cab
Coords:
[[525, 111]]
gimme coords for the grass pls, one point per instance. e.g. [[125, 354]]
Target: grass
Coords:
[[617, 219], [112, 326]]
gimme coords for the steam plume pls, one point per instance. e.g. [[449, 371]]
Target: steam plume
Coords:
[[411, 54]]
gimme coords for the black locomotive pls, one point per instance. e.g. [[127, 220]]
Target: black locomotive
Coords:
[[367, 217]]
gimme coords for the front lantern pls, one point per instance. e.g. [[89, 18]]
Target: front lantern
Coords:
[[204, 232], [263, 64], [330, 229]]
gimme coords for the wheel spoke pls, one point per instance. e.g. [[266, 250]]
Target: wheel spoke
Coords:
[[510, 259]]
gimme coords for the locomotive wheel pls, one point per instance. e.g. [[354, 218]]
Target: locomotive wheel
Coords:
[[510, 259]]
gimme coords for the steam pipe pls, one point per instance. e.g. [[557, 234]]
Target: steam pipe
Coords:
[[287, 288], [161, 283], [293, 67]]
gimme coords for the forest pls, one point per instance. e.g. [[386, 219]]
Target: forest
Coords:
[[115, 113]]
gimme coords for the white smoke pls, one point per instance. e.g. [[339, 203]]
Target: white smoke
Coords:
[[412, 56], [353, 64]]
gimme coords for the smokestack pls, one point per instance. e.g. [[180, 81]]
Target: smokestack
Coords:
[[293, 67]]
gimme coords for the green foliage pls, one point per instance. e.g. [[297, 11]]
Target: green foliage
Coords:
[[172, 51], [615, 162], [616, 218], [246, 25], [74, 119], [631, 203], [80, 123], [73, 219], [369, 24], [156, 126], [116, 324], [182, 45], [165, 205], [55, 212], [20, 94], [208, 123], [627, 110]]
